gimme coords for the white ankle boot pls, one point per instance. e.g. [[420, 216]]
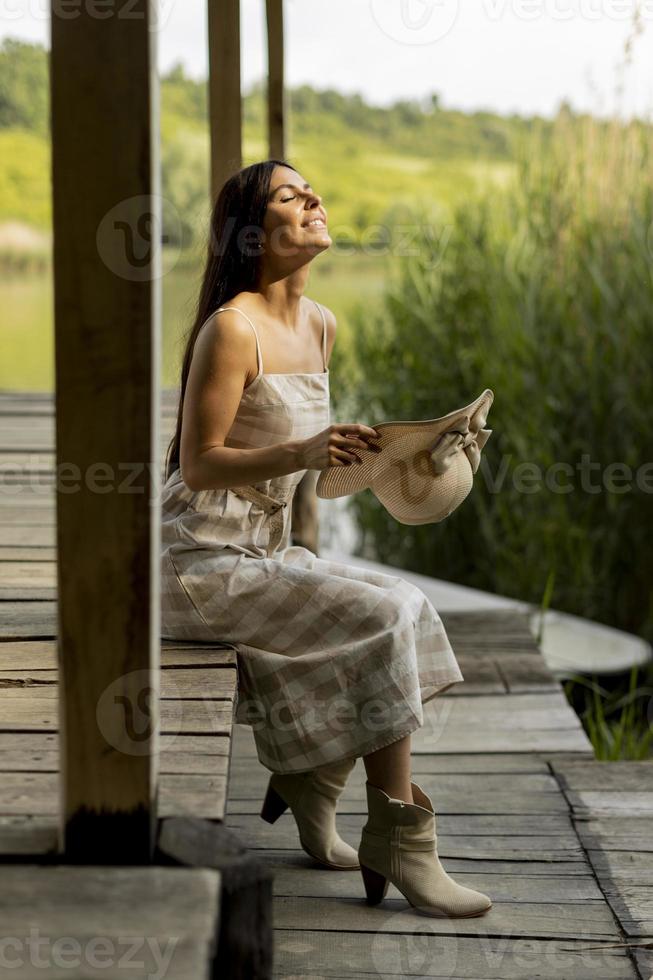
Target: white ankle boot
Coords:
[[399, 844], [312, 798]]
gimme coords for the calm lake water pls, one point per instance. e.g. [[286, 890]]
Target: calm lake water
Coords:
[[26, 333]]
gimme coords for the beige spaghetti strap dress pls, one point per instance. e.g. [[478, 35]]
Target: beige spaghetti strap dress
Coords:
[[334, 661]]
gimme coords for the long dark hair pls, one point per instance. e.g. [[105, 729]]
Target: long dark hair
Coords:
[[232, 263]]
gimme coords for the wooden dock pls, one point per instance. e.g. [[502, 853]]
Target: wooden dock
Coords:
[[563, 844]]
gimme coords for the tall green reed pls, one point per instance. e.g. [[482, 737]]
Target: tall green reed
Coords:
[[543, 292]]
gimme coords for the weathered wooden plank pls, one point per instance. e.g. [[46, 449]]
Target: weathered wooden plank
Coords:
[[295, 875], [245, 756], [490, 630], [177, 716], [33, 618], [533, 722], [602, 803], [27, 836], [246, 938], [612, 806], [524, 672], [484, 957], [29, 497], [20, 759], [9, 593], [28, 574], [539, 869], [36, 794], [455, 824], [248, 782], [616, 834], [490, 804], [25, 516], [621, 776], [42, 655], [632, 904], [178, 912], [31, 746], [481, 676], [35, 437], [176, 682], [627, 865], [644, 960], [27, 553], [582, 920], [492, 795], [473, 844]]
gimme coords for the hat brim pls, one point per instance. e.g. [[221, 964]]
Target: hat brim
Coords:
[[406, 439]]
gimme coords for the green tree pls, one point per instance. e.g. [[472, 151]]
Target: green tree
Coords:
[[24, 93]]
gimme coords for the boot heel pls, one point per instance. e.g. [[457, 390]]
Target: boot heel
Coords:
[[376, 885], [273, 805]]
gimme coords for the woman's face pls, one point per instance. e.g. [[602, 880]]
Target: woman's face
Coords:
[[296, 220]]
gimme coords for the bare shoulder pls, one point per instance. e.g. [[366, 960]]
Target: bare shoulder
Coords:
[[330, 318], [331, 325], [223, 326], [226, 338]]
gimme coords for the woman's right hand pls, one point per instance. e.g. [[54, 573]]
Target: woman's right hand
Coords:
[[333, 446]]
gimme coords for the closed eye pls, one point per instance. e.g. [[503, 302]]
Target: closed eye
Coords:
[[284, 199]]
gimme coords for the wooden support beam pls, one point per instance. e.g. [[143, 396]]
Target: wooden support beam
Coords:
[[225, 107], [106, 210], [276, 88], [245, 940]]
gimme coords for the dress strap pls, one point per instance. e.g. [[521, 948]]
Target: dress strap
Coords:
[[259, 356], [324, 332]]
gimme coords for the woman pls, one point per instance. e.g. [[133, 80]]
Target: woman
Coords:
[[334, 661]]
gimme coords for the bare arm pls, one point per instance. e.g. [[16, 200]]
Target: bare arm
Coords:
[[216, 380]]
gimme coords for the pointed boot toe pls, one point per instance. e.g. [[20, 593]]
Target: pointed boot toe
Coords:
[[399, 845], [312, 798]]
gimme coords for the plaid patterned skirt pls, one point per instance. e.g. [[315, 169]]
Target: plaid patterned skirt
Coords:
[[334, 660]]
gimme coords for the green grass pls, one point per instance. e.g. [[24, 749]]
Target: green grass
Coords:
[[25, 178], [617, 718]]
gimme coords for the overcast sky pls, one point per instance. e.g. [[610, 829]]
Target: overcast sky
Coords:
[[520, 56]]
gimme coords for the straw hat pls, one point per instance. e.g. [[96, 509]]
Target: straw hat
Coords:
[[426, 469]]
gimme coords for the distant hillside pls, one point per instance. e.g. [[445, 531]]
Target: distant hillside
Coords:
[[368, 162]]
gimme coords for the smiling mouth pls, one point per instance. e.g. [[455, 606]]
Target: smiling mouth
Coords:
[[315, 223]]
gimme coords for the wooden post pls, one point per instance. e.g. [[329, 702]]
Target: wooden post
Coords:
[[304, 521], [106, 211], [276, 87], [225, 109]]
